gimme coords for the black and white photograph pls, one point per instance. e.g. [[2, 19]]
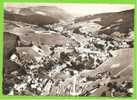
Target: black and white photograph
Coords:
[[53, 49]]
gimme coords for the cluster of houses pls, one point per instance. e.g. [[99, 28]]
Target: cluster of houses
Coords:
[[49, 69]]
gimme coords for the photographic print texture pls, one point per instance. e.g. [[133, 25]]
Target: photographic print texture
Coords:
[[68, 49]]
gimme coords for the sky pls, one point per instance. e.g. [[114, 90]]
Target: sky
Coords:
[[78, 10]]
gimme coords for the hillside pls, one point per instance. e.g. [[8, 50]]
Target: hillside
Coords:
[[36, 19], [41, 15], [118, 21]]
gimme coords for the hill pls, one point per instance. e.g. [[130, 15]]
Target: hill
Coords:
[[121, 22], [40, 15]]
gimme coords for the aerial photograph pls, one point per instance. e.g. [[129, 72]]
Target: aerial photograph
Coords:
[[53, 49]]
